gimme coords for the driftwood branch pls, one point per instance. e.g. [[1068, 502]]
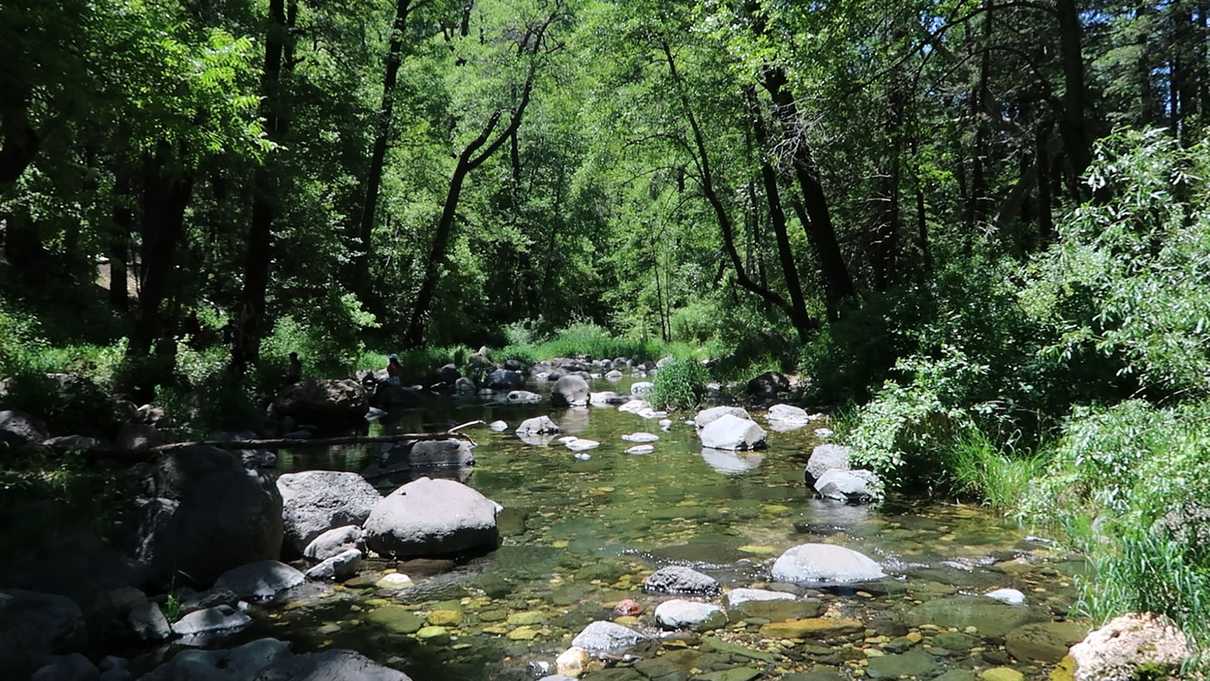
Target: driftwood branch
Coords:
[[285, 442]]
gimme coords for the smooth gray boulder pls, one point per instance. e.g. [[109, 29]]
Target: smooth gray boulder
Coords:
[[788, 412], [429, 518], [452, 452], [825, 458], [708, 416], [570, 391], [242, 663], [314, 502], [498, 426], [202, 514], [336, 568], [220, 618], [825, 563], [692, 615], [732, 433], [613, 375], [328, 665], [34, 625], [448, 374], [854, 487], [262, 580], [606, 639], [334, 542], [677, 579]]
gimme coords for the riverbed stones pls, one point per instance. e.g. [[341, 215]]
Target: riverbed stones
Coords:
[[262, 580], [194, 495], [692, 615], [539, 425], [989, 618], [825, 563], [336, 568], [915, 663], [1007, 596], [220, 618], [606, 638], [678, 579], [334, 542], [314, 502], [34, 625], [825, 458], [707, 416], [452, 452], [853, 486], [1044, 641], [730, 432], [1126, 644], [430, 518], [570, 391]]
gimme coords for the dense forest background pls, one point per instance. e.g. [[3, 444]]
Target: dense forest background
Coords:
[[981, 224]]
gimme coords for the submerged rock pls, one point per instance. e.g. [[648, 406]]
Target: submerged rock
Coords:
[[677, 579], [451, 452], [989, 618], [1044, 641], [606, 638], [694, 615], [522, 397], [428, 518], [731, 463], [825, 563], [1008, 596], [916, 663], [731, 432], [1127, 644], [314, 502]]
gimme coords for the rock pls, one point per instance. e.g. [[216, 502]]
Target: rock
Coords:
[[314, 502], [203, 514], [736, 597], [693, 615], [780, 610], [235, 664], [613, 376], [825, 458], [915, 663], [335, 542], [191, 600], [539, 425], [453, 452], [606, 638], [427, 518], [640, 437], [395, 619], [730, 432], [677, 579], [34, 625], [498, 426], [328, 665], [635, 406], [220, 618], [627, 607], [824, 563], [731, 463], [572, 662], [786, 412], [18, 428], [394, 581], [606, 398], [465, 386], [388, 396], [138, 437], [126, 614], [581, 445], [505, 379], [1044, 641], [812, 627], [262, 580], [768, 385], [642, 388], [1009, 596], [522, 397], [339, 567], [1001, 674], [854, 487], [570, 391], [1129, 643], [707, 416], [448, 374], [328, 403], [73, 667], [989, 618], [640, 449]]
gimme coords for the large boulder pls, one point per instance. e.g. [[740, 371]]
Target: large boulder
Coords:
[[34, 626], [693, 615], [824, 563], [327, 403], [677, 579], [732, 433], [825, 458], [505, 379], [570, 391], [788, 413], [262, 580], [18, 428], [1128, 644], [606, 639], [854, 487], [335, 542], [328, 665], [125, 614], [429, 518], [314, 502], [708, 416], [202, 513]]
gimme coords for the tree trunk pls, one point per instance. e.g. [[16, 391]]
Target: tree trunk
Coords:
[[382, 132], [119, 239], [1046, 222], [19, 141], [1077, 138], [885, 243], [165, 196], [980, 108]]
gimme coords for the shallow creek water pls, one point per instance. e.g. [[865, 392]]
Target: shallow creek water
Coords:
[[578, 536]]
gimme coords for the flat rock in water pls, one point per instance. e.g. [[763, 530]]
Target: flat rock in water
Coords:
[[429, 518], [780, 610], [730, 432], [210, 620], [786, 412], [915, 663], [607, 638], [731, 463], [262, 580], [581, 445], [522, 397], [707, 416], [1044, 641], [693, 615], [736, 597], [635, 406], [1007, 596], [452, 452], [854, 486], [812, 627], [677, 579], [498, 426], [825, 563], [990, 619], [640, 449]]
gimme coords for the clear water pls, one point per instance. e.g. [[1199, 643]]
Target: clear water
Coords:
[[580, 535]]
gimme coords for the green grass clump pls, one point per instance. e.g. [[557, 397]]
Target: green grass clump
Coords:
[[590, 340], [979, 469], [680, 385]]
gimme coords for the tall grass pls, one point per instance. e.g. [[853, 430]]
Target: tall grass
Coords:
[[590, 340], [979, 469]]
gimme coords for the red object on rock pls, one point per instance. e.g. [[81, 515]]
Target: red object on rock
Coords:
[[627, 608]]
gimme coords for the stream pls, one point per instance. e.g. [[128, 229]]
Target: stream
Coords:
[[578, 536]]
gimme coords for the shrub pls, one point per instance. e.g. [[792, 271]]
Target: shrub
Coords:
[[680, 385]]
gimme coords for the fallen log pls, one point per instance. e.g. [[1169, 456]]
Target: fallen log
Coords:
[[286, 442]]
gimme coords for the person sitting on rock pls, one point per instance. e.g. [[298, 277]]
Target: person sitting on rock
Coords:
[[294, 372], [394, 370]]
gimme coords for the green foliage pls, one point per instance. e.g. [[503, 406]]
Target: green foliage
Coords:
[[584, 339], [327, 337], [680, 385], [978, 469]]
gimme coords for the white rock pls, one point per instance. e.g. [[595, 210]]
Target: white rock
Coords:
[[640, 449], [567, 439], [394, 581], [682, 614], [706, 416], [786, 412], [640, 437], [581, 445], [1118, 650], [1009, 596], [498, 426], [737, 596], [825, 563], [571, 662], [523, 397], [634, 406], [824, 432], [731, 432], [642, 388]]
